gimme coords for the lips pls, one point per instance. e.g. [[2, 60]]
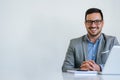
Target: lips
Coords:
[[93, 29]]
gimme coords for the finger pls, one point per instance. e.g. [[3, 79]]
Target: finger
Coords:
[[94, 65], [83, 65], [84, 62], [87, 66], [91, 69], [85, 69], [92, 61]]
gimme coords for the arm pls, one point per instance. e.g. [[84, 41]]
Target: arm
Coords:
[[116, 42], [69, 59]]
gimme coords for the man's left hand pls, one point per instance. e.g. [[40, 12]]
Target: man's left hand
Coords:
[[90, 65]]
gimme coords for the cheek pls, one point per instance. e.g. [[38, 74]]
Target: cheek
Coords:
[[86, 26], [102, 24]]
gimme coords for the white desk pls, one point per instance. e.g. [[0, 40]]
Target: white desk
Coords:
[[69, 76]]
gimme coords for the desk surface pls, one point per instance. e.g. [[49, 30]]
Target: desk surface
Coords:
[[70, 76]]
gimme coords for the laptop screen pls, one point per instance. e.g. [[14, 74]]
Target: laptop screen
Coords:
[[112, 65]]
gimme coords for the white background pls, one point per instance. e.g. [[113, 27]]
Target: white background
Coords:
[[35, 34]]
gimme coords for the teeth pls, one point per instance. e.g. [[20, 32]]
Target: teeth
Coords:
[[93, 29]]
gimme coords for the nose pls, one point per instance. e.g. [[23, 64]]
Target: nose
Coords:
[[93, 24]]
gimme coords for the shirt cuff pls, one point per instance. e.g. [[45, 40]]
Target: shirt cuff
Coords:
[[101, 67]]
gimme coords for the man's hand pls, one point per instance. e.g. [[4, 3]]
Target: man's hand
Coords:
[[90, 65]]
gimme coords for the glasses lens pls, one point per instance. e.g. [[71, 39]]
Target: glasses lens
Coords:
[[96, 22]]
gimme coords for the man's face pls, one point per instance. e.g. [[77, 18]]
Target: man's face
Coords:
[[94, 24]]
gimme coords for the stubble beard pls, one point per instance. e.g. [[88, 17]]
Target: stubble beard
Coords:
[[94, 35]]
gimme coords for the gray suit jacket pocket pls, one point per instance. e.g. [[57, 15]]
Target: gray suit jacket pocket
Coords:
[[104, 56]]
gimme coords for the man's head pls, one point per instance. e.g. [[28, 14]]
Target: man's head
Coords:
[[93, 10], [94, 21]]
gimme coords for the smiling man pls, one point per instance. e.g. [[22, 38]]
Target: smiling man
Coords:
[[90, 51]]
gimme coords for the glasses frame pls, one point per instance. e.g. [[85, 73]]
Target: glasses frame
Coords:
[[96, 22]]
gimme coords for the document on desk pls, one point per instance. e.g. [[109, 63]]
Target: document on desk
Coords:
[[79, 72]]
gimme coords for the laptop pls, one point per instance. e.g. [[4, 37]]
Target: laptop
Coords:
[[112, 65]]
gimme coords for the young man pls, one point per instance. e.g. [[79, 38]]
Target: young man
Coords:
[[90, 51]]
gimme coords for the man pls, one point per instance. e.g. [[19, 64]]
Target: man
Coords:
[[90, 51]]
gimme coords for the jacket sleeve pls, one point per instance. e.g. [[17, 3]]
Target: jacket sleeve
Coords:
[[69, 59], [116, 42]]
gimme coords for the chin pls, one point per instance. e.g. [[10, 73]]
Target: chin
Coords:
[[95, 34]]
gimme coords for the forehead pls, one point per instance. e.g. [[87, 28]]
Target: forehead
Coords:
[[93, 16]]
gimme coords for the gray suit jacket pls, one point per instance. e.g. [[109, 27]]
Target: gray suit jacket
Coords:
[[77, 52]]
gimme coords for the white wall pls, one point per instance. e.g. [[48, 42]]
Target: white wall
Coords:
[[34, 34]]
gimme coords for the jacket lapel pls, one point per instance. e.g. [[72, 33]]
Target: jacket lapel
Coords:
[[100, 48], [85, 49]]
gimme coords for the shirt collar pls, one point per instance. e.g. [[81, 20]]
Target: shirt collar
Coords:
[[87, 39]]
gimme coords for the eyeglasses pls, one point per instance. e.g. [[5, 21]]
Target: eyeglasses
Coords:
[[96, 22]]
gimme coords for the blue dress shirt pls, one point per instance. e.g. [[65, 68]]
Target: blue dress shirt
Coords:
[[93, 48]]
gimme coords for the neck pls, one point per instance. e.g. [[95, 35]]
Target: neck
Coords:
[[93, 38]]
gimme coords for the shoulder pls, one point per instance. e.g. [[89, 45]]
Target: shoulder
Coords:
[[108, 37], [111, 39], [77, 40]]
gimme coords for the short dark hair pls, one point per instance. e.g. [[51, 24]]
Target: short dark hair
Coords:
[[93, 10]]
